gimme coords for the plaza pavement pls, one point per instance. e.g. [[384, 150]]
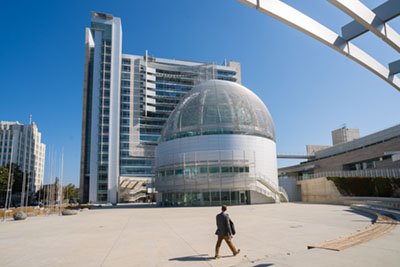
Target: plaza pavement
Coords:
[[135, 235]]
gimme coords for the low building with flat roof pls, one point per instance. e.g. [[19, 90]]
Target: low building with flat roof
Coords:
[[374, 155]]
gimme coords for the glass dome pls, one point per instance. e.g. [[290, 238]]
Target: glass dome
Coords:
[[219, 107]]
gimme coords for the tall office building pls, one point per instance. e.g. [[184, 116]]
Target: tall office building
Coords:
[[127, 100], [21, 144]]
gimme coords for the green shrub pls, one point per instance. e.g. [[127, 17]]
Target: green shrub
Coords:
[[367, 186]]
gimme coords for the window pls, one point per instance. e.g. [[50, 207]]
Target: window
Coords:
[[125, 83], [226, 169], [215, 196], [102, 187], [225, 197], [125, 90], [126, 61], [126, 68], [203, 170], [214, 169], [125, 76], [124, 129], [206, 196], [102, 197]]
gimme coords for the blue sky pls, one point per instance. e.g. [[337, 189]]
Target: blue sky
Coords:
[[309, 89]]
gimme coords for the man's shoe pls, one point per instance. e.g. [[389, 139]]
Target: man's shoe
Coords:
[[217, 257], [237, 252]]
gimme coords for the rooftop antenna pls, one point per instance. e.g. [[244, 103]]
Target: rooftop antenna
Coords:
[[30, 118]]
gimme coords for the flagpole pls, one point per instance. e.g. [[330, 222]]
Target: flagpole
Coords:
[[8, 184]]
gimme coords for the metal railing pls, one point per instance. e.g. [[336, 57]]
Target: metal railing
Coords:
[[387, 173]]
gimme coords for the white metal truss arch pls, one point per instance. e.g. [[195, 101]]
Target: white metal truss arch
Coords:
[[365, 20]]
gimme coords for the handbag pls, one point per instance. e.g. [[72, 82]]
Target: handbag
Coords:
[[232, 227]]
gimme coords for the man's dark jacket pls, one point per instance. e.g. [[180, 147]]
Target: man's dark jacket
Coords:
[[225, 226]]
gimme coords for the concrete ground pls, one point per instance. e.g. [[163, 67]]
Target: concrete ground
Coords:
[[268, 235]]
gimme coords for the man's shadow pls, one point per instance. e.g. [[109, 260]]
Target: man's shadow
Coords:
[[200, 257]]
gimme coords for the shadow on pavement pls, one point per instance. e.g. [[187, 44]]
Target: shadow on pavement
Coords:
[[263, 265], [201, 257], [363, 213], [125, 206], [394, 214]]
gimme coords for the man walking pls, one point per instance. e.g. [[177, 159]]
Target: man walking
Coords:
[[225, 231]]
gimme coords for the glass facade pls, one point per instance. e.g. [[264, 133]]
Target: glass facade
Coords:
[[215, 198], [150, 91], [214, 177], [104, 110]]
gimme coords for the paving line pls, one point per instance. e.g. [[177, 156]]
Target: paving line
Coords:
[[382, 226], [115, 241], [187, 243]]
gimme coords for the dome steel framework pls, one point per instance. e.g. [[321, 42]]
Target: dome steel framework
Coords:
[[232, 109]]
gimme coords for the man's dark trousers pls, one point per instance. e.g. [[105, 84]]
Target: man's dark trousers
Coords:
[[224, 232]]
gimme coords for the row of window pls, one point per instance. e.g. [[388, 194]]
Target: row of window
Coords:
[[6, 143], [136, 162], [212, 131], [173, 87], [169, 94], [153, 138], [150, 131], [191, 171], [205, 198], [128, 170], [175, 80]]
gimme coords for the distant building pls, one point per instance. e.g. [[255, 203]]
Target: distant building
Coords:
[[339, 136], [126, 102], [377, 154], [21, 144], [312, 149], [344, 135]]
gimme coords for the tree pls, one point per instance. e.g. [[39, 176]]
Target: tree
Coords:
[[18, 175], [48, 193], [69, 191], [3, 178]]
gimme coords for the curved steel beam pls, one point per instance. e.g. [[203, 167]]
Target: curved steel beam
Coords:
[[314, 29], [369, 20], [387, 11]]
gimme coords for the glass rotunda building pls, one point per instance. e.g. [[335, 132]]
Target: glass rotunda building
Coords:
[[217, 147]]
